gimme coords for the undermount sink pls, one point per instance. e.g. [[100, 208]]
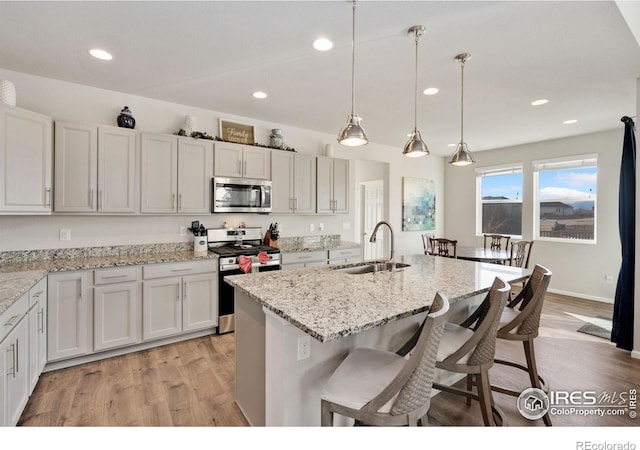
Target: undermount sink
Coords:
[[372, 267]]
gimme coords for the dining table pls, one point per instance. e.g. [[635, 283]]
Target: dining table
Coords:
[[483, 254]]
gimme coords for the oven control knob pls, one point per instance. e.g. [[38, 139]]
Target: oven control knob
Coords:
[[231, 261]]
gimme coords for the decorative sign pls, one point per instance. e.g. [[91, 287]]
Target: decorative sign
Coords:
[[418, 204], [236, 132]]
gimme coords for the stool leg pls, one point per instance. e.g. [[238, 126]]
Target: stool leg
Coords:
[[469, 387], [530, 355], [484, 396], [326, 415]]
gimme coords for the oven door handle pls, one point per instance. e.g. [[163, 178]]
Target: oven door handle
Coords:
[[230, 267]]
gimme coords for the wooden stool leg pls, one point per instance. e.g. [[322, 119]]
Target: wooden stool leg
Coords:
[[469, 387], [484, 396], [326, 416], [530, 354]]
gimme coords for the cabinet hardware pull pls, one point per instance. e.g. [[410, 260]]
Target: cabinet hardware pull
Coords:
[[12, 321], [184, 290], [12, 349], [296, 204], [47, 197], [179, 202], [173, 201], [114, 276], [38, 294], [90, 198], [40, 321], [180, 270], [99, 199], [17, 354], [81, 288]]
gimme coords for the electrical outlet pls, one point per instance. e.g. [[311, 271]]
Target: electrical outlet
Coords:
[[65, 234], [183, 231], [304, 347], [311, 227], [608, 279], [321, 226], [346, 225]]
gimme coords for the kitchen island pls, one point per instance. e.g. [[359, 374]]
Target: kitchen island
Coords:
[[293, 328]]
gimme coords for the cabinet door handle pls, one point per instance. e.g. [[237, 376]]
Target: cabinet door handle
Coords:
[[82, 288], [180, 270], [17, 355], [40, 321], [47, 197], [173, 200], [38, 294], [100, 205], [12, 349], [179, 202], [12, 321], [184, 290], [114, 276], [295, 204]]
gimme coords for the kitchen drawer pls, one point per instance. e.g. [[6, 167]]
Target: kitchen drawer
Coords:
[[117, 275], [37, 291], [10, 318], [345, 253], [304, 257], [179, 269]]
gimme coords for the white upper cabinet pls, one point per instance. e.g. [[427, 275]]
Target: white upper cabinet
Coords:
[[333, 186], [242, 161], [159, 180], [176, 174], [195, 169], [117, 170], [95, 169], [25, 161], [294, 183]]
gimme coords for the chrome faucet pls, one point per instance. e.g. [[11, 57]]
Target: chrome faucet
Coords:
[[375, 230]]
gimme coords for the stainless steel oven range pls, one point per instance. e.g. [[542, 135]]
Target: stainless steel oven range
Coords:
[[230, 244]]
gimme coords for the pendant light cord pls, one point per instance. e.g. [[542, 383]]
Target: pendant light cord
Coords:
[[462, 102], [415, 93], [353, 59]]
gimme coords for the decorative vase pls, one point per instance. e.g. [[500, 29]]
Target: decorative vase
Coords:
[[125, 119], [276, 138], [7, 92], [189, 125]]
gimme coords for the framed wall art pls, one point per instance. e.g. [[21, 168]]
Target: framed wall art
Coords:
[[236, 132], [418, 204]]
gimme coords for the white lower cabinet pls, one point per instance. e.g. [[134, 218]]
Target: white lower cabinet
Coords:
[[173, 304], [37, 332], [68, 315], [14, 356], [116, 313]]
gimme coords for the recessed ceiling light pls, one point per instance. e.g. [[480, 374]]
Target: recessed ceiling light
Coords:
[[100, 54], [259, 94], [322, 44], [431, 91], [539, 102], [570, 121]]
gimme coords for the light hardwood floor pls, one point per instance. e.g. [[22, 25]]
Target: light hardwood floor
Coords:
[[192, 383]]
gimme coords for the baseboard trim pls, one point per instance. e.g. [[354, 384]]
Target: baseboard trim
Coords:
[[635, 354], [581, 295], [63, 364]]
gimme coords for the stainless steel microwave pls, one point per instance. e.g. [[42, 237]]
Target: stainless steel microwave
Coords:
[[240, 195]]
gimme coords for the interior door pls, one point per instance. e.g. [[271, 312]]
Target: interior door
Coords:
[[372, 213]]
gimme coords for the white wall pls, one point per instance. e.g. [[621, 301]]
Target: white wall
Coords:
[[84, 104], [578, 269]]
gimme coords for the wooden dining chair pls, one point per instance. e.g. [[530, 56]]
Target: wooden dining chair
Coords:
[[520, 253], [469, 348], [445, 247], [377, 387], [427, 243], [495, 241], [520, 321]]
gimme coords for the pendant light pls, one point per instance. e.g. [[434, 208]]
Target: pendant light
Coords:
[[353, 135], [415, 146], [462, 156]]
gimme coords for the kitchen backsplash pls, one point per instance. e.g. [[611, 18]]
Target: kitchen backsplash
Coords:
[[308, 242]]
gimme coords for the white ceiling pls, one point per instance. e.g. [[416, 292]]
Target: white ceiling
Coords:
[[580, 55]]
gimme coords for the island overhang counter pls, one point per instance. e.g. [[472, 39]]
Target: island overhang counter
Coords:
[[294, 327]]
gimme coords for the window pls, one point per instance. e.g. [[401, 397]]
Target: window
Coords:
[[499, 205], [565, 199]]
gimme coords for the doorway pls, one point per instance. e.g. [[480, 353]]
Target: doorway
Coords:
[[372, 211]]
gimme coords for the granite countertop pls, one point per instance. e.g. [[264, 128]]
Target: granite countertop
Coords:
[[328, 304], [19, 274]]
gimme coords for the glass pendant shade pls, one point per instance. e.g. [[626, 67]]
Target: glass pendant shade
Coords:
[[415, 147], [352, 135], [462, 156]]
